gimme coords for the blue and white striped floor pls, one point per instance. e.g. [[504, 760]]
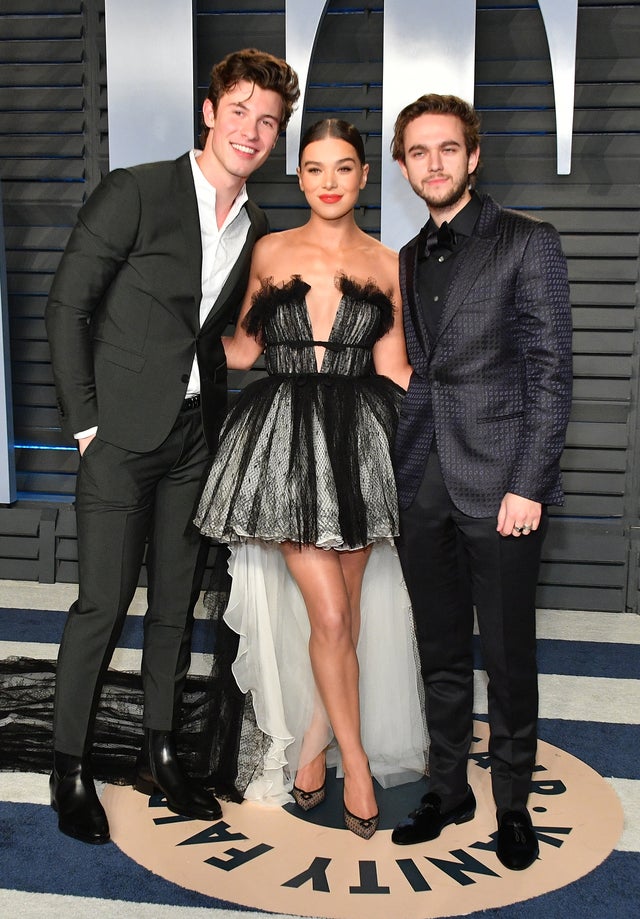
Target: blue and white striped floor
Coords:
[[589, 706]]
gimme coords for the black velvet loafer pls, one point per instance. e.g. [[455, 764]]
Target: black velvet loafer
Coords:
[[428, 820], [517, 845]]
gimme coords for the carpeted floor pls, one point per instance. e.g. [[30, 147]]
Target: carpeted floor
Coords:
[[589, 705]]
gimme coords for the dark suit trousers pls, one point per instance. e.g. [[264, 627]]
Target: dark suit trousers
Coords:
[[452, 562], [122, 499]]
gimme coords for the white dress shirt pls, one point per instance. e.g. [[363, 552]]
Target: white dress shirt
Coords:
[[221, 247]]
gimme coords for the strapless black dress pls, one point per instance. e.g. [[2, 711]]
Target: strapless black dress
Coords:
[[305, 452]]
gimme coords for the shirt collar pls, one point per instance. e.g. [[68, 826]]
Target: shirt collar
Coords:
[[463, 224], [206, 192], [465, 220]]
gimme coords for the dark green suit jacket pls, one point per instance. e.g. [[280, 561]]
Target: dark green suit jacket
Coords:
[[123, 311]]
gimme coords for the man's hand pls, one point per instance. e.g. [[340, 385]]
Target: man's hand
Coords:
[[518, 516]]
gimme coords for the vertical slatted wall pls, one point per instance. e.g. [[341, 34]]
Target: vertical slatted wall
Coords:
[[52, 152], [51, 54], [596, 211], [591, 553]]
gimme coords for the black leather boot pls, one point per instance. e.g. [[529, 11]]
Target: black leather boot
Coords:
[[159, 770], [74, 798]]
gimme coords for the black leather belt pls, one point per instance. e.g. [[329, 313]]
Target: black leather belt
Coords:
[[190, 403]]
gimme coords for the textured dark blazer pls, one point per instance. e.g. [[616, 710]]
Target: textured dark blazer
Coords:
[[123, 311], [494, 387]]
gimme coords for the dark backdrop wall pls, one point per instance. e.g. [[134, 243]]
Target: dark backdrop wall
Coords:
[[53, 151]]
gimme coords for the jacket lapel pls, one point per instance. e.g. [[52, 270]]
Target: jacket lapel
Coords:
[[187, 205], [256, 229], [471, 262], [411, 298]]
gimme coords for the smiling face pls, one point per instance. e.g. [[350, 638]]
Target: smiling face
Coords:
[[436, 163], [331, 176], [243, 130]]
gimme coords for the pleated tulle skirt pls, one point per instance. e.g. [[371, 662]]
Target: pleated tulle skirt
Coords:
[[306, 458]]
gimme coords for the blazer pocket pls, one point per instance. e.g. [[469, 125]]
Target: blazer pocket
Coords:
[[127, 359]]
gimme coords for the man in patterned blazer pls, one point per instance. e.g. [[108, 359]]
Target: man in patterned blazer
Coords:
[[153, 272], [488, 327]]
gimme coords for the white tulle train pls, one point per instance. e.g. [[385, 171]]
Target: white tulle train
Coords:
[[267, 611]]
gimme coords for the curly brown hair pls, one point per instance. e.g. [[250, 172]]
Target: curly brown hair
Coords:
[[258, 67]]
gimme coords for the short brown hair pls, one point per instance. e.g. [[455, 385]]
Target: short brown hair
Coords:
[[435, 104], [260, 68]]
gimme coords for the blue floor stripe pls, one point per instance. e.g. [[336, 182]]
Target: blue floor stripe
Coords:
[[573, 658], [28, 836], [589, 658], [45, 627], [31, 625], [582, 658], [610, 749]]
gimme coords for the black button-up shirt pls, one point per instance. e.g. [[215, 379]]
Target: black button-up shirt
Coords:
[[436, 269]]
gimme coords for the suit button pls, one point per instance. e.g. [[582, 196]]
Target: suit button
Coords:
[[185, 377]]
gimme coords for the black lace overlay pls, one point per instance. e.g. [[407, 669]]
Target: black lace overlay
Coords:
[[305, 452]]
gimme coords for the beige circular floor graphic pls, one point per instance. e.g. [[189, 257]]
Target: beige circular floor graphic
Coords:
[[269, 858]]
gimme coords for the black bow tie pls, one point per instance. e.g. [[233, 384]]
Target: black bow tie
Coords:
[[442, 238]]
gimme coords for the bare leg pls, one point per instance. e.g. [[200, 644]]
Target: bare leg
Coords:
[[311, 773], [353, 565], [327, 582]]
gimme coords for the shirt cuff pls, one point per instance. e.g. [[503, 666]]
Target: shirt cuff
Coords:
[[88, 433]]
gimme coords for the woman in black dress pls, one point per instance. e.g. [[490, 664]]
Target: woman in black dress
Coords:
[[302, 489]]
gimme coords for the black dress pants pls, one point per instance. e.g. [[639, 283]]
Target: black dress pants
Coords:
[[124, 499], [451, 563]]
